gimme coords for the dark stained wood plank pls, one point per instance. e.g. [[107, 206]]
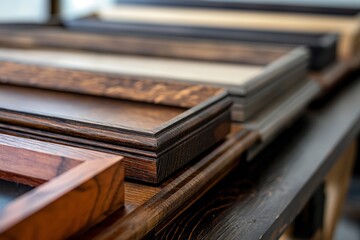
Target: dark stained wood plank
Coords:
[[134, 88], [259, 200], [97, 110]]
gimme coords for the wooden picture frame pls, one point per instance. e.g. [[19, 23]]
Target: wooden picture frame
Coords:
[[322, 46], [74, 188], [242, 50], [252, 83], [149, 122]]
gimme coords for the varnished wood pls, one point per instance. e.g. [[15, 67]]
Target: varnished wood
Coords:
[[261, 199], [106, 118], [155, 90], [156, 203], [251, 86], [75, 188]]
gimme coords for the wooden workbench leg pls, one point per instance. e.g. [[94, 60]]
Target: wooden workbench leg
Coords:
[[337, 184]]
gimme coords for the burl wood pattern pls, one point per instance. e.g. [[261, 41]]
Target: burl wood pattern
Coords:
[[76, 188]]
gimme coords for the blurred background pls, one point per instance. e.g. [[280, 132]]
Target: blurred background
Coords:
[[54, 12]]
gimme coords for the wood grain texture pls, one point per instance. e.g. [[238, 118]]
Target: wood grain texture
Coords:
[[347, 27], [244, 77], [257, 84], [104, 119], [240, 79], [159, 202], [134, 88], [195, 71], [75, 188], [284, 68], [261, 199]]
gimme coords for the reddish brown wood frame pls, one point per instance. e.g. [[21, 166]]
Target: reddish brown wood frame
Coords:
[[75, 188]]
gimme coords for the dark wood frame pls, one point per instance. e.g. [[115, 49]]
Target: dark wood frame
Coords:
[[75, 188], [272, 190], [161, 206], [323, 46], [284, 66], [149, 155], [211, 50]]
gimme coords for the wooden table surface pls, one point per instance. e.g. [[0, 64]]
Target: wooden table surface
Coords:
[[258, 200]]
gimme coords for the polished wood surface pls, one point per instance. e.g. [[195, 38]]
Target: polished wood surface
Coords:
[[348, 27], [261, 199], [76, 187], [89, 109], [251, 86], [242, 76], [145, 206], [159, 202], [117, 113], [151, 90]]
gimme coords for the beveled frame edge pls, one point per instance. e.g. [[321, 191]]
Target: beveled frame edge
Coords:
[[191, 184], [212, 95]]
